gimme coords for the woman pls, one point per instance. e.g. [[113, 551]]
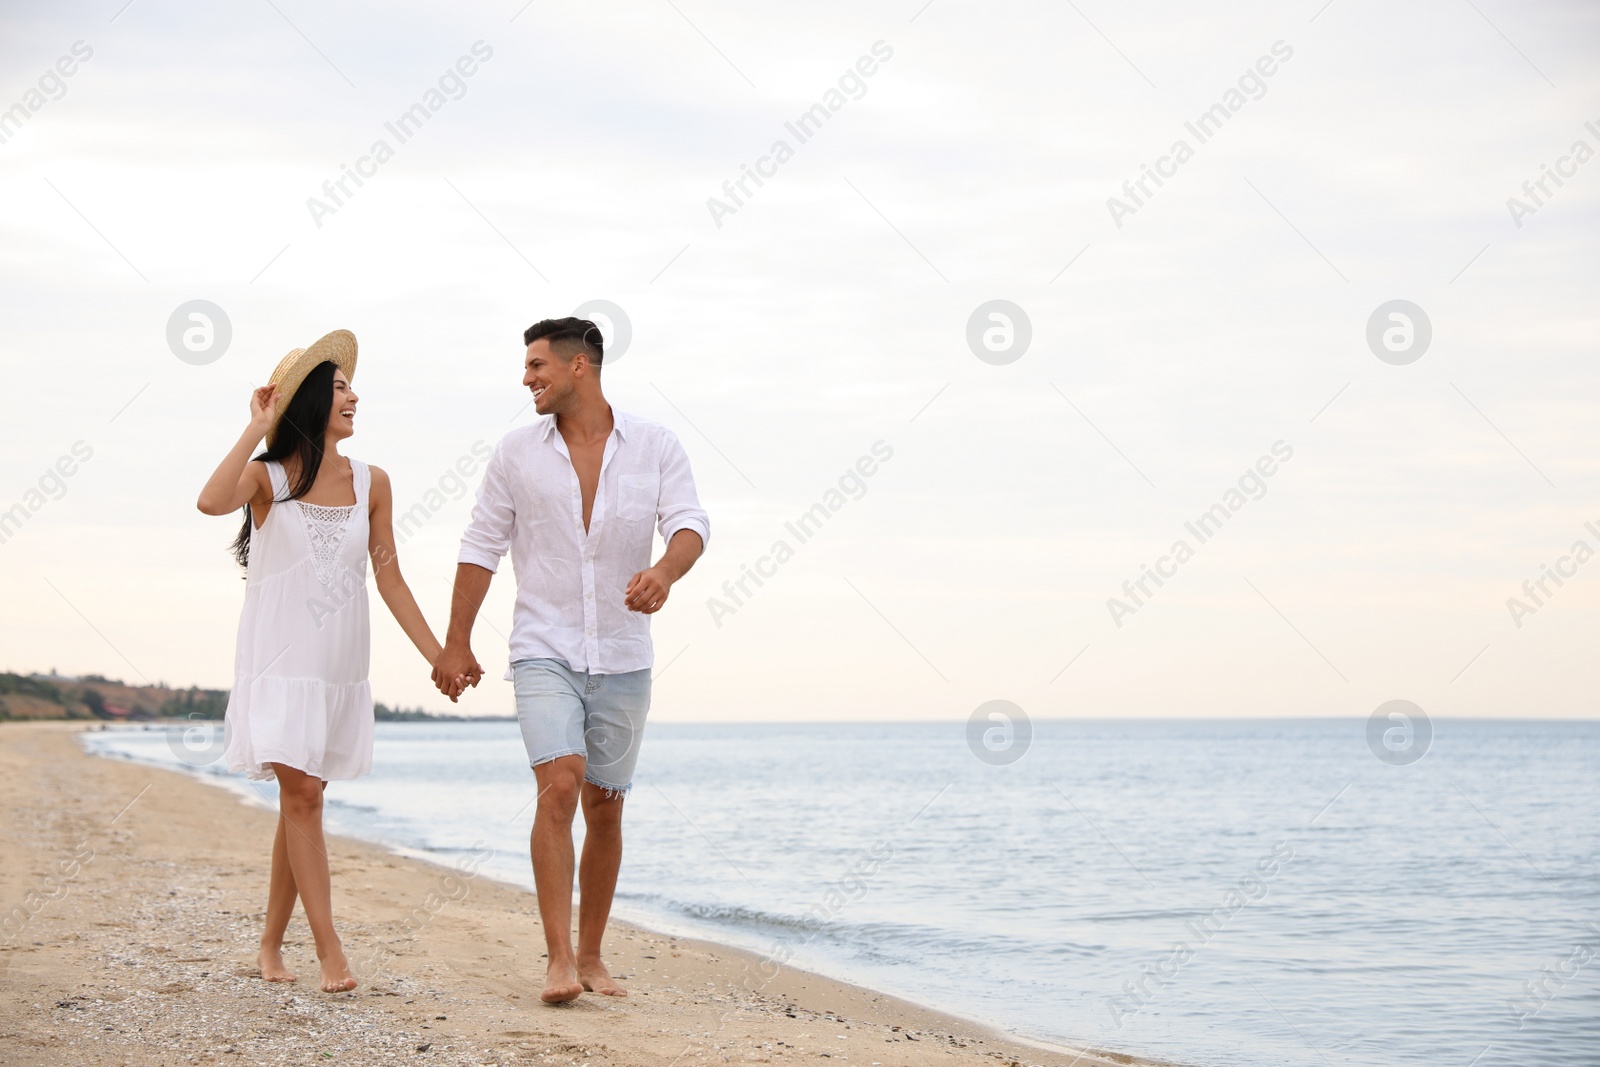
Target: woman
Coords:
[[301, 707]]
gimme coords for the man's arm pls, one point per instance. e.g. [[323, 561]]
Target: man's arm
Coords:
[[485, 542], [648, 589], [684, 526], [456, 661]]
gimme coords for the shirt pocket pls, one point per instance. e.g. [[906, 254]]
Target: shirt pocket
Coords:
[[637, 496]]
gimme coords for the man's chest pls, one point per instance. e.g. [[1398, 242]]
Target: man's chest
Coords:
[[577, 489], [586, 462]]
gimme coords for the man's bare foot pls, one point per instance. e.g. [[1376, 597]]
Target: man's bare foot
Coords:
[[596, 978], [336, 976], [561, 983], [270, 960]]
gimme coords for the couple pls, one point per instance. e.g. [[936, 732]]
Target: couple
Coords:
[[574, 498]]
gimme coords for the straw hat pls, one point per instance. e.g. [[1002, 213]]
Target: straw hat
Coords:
[[338, 347]]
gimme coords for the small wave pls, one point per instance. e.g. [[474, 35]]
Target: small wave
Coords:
[[891, 939], [735, 914], [346, 805]]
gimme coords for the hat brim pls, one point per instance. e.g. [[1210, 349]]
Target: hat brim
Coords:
[[338, 348]]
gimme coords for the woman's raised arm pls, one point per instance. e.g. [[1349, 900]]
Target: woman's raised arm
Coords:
[[236, 481]]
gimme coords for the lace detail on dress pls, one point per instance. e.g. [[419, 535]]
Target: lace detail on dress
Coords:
[[325, 530]]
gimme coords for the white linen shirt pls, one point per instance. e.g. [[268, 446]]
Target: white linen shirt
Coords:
[[570, 584]]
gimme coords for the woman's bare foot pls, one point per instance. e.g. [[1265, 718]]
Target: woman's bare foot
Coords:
[[596, 978], [270, 960], [336, 976], [561, 983]]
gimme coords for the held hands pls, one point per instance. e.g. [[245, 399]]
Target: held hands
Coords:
[[454, 670], [647, 591]]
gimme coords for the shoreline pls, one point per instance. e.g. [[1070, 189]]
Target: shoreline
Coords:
[[132, 905], [244, 796]]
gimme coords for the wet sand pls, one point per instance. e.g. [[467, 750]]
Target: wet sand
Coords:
[[132, 901]]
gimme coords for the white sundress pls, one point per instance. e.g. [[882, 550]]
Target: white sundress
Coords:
[[301, 694]]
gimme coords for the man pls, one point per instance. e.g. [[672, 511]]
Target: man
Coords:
[[575, 498]]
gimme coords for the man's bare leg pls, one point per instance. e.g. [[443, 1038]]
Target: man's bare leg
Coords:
[[281, 895], [550, 845], [300, 801], [597, 884]]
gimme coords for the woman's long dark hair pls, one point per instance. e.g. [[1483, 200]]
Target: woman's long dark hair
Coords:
[[299, 434]]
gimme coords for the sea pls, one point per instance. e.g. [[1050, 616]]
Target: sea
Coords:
[[1231, 893]]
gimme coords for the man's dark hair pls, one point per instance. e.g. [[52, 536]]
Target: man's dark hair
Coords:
[[568, 337]]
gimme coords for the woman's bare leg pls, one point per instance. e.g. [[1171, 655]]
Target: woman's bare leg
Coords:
[[281, 895], [300, 801]]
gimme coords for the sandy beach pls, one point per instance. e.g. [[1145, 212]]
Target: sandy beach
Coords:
[[132, 904]]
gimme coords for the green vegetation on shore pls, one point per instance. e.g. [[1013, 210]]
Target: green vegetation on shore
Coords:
[[49, 696]]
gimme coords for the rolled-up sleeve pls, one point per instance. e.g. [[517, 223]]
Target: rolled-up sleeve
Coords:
[[488, 535], [679, 506]]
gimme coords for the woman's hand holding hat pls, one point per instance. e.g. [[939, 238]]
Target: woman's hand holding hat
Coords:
[[263, 408]]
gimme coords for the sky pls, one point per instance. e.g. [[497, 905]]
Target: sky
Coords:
[[1230, 317]]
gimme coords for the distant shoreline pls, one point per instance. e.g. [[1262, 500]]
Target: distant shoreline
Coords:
[[169, 722], [96, 698]]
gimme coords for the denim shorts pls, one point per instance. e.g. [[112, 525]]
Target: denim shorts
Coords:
[[600, 717]]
